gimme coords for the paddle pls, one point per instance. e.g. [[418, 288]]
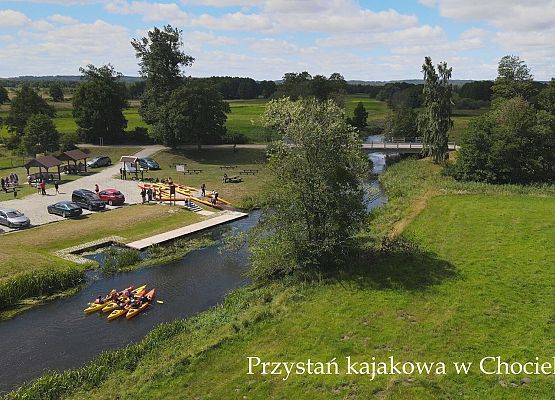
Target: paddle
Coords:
[[159, 301]]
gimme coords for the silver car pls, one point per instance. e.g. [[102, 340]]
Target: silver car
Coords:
[[13, 218]]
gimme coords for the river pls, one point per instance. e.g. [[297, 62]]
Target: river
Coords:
[[58, 335]]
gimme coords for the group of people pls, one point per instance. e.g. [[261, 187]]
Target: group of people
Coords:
[[124, 299], [10, 181], [41, 187]]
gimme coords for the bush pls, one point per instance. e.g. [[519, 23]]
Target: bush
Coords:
[[512, 144]]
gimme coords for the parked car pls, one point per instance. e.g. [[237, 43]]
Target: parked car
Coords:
[[66, 209], [148, 163], [97, 162], [13, 218], [87, 199], [112, 196]]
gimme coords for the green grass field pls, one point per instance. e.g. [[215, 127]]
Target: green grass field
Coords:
[[245, 117], [31, 250], [209, 161], [473, 281]]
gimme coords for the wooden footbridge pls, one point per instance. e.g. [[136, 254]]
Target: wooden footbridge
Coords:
[[400, 147]]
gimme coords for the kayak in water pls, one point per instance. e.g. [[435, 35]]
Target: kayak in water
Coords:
[[133, 311]]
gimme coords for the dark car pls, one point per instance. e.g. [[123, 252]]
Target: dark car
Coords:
[[66, 209], [112, 196], [13, 218], [97, 162], [87, 199], [148, 163]]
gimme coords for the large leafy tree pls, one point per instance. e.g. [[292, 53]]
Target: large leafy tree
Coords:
[[40, 135], [360, 116], [546, 98], [435, 120], [194, 113], [26, 102], [402, 123], [56, 92], [161, 59], [3, 95], [98, 105], [514, 79], [314, 202], [513, 143]]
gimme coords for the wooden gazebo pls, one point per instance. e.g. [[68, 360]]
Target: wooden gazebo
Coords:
[[75, 156], [46, 163]]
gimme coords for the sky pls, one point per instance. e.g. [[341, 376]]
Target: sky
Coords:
[[263, 39]]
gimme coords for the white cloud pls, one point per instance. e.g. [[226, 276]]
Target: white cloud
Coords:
[[151, 12], [63, 19], [63, 49], [409, 36], [507, 14], [235, 21], [12, 19]]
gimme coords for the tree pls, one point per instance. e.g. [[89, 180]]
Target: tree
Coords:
[[402, 123], [314, 203], [513, 143], [26, 103], [40, 135], [435, 120], [56, 93], [136, 89], [3, 95], [546, 98], [477, 90], [161, 58], [360, 116], [194, 113], [98, 105], [514, 79]]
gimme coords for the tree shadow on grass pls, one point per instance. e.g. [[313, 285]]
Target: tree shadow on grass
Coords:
[[222, 156], [401, 265]]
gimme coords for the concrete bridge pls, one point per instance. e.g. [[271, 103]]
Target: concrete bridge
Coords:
[[399, 147]]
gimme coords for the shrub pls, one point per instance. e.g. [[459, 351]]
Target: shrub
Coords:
[[39, 283]]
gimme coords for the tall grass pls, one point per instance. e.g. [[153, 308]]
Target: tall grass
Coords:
[[39, 283], [118, 259]]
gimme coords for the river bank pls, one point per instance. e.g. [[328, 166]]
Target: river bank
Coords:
[[473, 259]]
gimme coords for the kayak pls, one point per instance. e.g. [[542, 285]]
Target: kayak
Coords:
[[111, 306], [117, 313], [94, 307], [134, 311], [139, 289]]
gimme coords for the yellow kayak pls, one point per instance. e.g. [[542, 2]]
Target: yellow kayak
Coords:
[[94, 307], [109, 307], [116, 314], [139, 289]]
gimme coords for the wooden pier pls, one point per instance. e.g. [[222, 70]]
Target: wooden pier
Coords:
[[223, 218]]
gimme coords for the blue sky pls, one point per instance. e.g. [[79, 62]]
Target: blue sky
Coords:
[[263, 39]]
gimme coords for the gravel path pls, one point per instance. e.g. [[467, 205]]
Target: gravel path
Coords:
[[34, 206]]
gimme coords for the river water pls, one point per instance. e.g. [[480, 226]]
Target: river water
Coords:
[[58, 335]]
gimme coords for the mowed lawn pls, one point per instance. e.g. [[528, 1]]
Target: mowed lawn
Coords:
[[480, 284], [31, 249], [7, 159], [209, 162]]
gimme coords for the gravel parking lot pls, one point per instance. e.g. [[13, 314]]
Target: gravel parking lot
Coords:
[[34, 206]]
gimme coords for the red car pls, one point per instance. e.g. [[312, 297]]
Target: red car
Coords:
[[112, 196]]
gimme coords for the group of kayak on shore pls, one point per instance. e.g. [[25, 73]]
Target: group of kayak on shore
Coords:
[[129, 302]]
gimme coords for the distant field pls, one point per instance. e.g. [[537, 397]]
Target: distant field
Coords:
[[245, 117]]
